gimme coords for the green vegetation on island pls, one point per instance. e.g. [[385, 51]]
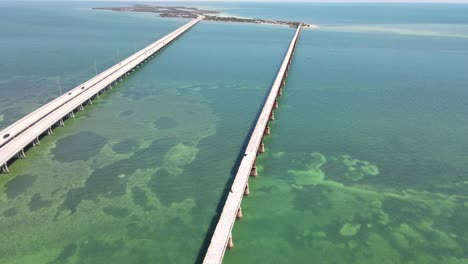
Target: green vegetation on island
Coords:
[[193, 12]]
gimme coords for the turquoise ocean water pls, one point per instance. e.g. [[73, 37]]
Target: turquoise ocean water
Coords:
[[367, 161]]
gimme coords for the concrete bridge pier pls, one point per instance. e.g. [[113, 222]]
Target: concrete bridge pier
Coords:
[[80, 108], [272, 116], [254, 171], [247, 190], [49, 131], [5, 168], [21, 154], [36, 142], [262, 148], [239, 213], [230, 243], [71, 115], [61, 123], [267, 130], [280, 91], [97, 96], [276, 105], [90, 102]]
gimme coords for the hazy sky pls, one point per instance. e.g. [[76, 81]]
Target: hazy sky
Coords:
[[284, 1], [348, 1], [366, 1]]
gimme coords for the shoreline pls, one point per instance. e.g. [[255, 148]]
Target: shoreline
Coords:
[[209, 15]]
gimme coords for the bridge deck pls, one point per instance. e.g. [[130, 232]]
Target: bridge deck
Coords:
[[27, 129], [222, 234]]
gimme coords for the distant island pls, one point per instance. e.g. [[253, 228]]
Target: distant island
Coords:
[[193, 12]]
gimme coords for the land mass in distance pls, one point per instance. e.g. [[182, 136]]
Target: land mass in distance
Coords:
[[193, 12]]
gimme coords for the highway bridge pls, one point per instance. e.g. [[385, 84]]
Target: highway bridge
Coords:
[[28, 130], [222, 236]]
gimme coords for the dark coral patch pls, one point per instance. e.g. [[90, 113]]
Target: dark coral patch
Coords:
[[139, 197], [117, 212], [165, 123], [126, 146], [19, 185], [126, 113], [67, 252], [312, 198], [81, 146], [166, 186], [37, 203], [10, 212], [111, 180]]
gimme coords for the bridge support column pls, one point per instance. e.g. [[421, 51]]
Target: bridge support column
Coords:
[[254, 171], [280, 92], [110, 86], [71, 115], [5, 168], [247, 190], [276, 105], [230, 243], [61, 123], [272, 116], [36, 142], [80, 108], [90, 102], [50, 132], [239, 213], [262, 148], [97, 95], [267, 131], [21, 154]]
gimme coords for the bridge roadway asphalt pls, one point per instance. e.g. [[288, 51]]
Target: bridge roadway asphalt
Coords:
[[52, 113]]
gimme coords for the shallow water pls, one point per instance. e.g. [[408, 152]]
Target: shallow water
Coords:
[[367, 158], [137, 176], [366, 162]]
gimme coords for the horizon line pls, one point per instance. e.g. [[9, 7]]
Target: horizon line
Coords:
[[266, 1]]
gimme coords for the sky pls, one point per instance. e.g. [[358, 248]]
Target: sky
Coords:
[[284, 1], [277, 1], [311, 1]]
